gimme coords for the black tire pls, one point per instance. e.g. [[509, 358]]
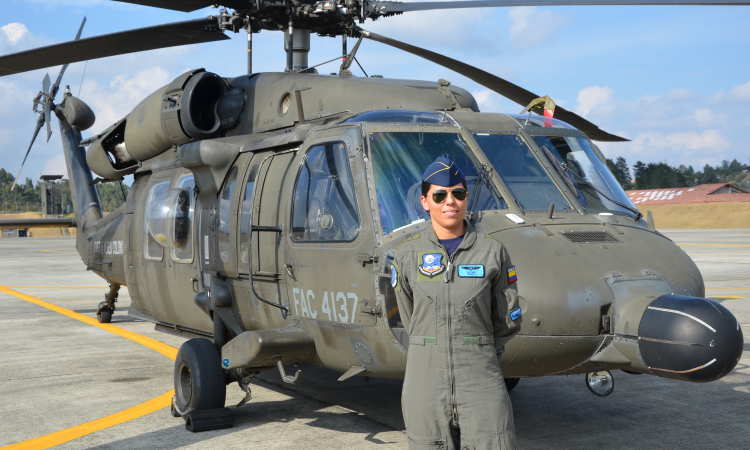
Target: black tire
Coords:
[[511, 383], [198, 376], [105, 315]]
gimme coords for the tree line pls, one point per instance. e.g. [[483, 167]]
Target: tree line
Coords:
[[27, 195], [661, 175]]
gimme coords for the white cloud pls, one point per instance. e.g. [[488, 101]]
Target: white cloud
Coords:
[[489, 101], [56, 166], [680, 94], [111, 103], [14, 32], [592, 97], [684, 142], [530, 26], [704, 117], [740, 93]]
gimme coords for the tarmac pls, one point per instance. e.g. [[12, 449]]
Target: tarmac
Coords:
[[69, 382]]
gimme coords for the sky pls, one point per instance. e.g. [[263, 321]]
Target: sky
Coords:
[[675, 80]]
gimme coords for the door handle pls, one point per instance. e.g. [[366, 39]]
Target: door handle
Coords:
[[365, 259]]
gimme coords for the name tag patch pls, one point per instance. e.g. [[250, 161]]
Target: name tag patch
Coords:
[[515, 314], [512, 278], [471, 271]]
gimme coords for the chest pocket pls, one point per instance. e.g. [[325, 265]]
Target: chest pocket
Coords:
[[477, 309], [424, 315]]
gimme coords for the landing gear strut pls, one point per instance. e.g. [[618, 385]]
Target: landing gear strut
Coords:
[[107, 307]]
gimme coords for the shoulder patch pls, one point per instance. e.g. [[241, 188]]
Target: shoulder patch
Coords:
[[416, 236], [395, 277], [512, 278]]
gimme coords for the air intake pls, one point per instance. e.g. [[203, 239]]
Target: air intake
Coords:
[[589, 237]]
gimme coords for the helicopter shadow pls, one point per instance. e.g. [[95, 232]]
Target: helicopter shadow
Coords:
[[296, 407]]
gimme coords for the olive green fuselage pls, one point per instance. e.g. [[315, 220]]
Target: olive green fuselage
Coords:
[[576, 297]]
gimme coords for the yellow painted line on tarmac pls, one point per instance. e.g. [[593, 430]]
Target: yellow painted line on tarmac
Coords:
[[64, 287], [727, 296], [713, 245], [75, 432], [59, 437], [59, 251]]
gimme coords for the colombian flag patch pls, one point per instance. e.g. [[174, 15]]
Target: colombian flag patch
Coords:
[[512, 278]]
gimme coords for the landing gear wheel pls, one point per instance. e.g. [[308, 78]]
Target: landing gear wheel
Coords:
[[198, 377], [511, 383], [104, 315]]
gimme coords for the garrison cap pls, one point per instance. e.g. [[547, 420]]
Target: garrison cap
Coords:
[[443, 172]]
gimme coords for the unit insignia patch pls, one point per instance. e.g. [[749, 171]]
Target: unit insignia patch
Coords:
[[515, 314], [432, 264]]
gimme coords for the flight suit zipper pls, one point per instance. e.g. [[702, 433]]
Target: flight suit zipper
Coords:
[[448, 270]]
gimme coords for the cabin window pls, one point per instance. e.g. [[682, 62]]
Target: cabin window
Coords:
[[398, 162], [325, 205], [246, 216], [184, 222], [521, 171], [153, 250], [225, 215]]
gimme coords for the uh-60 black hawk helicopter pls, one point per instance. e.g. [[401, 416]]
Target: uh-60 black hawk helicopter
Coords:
[[267, 208]]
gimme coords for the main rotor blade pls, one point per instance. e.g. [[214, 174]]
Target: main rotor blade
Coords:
[[39, 124], [499, 85], [187, 5], [45, 84], [60, 75], [386, 7], [47, 117], [138, 40]]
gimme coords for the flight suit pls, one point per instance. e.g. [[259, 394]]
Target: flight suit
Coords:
[[459, 310]]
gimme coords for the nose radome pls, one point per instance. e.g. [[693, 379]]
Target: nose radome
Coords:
[[689, 338]]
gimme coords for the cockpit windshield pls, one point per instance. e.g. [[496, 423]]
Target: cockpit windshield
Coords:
[[398, 162], [586, 173], [521, 172]]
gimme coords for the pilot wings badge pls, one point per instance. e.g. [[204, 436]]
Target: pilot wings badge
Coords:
[[432, 264]]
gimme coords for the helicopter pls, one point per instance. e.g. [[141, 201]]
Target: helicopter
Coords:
[[266, 210]]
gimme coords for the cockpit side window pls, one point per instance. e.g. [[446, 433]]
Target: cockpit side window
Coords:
[[152, 250], [225, 214], [325, 205], [398, 162], [586, 172], [521, 171]]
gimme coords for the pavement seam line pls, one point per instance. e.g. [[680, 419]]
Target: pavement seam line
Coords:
[[148, 407]]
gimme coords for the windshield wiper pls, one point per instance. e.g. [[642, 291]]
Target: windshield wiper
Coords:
[[481, 178], [565, 173], [560, 171], [638, 214]]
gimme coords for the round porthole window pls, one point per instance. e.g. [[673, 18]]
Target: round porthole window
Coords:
[[286, 101]]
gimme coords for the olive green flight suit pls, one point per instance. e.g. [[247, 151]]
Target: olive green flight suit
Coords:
[[457, 309]]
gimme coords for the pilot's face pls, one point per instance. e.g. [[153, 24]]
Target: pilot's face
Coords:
[[449, 214]]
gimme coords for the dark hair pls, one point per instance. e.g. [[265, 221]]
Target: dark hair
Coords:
[[426, 187]]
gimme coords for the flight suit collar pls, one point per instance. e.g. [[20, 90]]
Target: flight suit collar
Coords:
[[469, 237]]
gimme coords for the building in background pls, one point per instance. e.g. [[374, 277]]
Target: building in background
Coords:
[[51, 193], [704, 193]]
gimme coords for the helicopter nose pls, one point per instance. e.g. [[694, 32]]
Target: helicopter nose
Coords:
[[689, 338]]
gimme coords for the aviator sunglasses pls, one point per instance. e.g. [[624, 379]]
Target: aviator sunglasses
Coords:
[[440, 195]]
